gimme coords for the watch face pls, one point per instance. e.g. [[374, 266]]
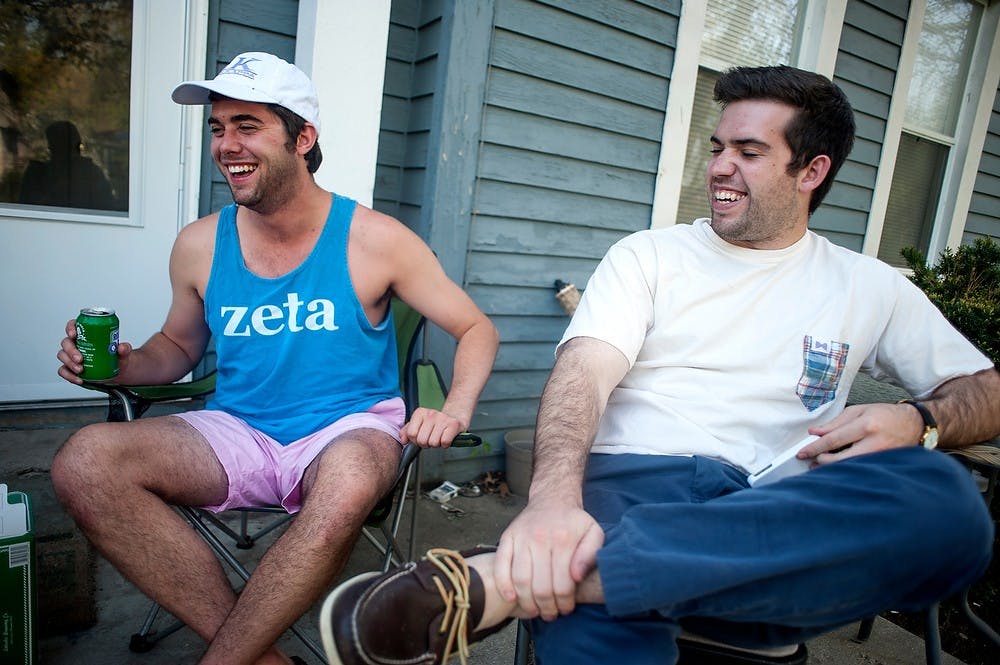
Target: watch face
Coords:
[[930, 438]]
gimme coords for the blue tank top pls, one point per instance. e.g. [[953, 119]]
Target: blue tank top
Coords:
[[295, 353]]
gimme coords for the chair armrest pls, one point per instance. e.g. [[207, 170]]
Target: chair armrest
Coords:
[[986, 453], [126, 403], [466, 440]]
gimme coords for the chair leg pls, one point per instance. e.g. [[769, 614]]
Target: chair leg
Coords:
[[398, 517], [992, 477], [310, 644], [412, 543], [865, 629], [977, 621], [522, 646], [146, 638], [932, 636]]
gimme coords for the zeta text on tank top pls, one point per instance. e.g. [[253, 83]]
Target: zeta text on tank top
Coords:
[[295, 352]]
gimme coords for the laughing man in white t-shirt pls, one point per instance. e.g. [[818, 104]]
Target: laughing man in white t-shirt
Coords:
[[698, 354]]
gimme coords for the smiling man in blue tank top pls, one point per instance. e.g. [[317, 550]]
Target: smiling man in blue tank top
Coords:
[[294, 283]]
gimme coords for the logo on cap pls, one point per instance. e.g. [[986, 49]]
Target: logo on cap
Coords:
[[240, 67]]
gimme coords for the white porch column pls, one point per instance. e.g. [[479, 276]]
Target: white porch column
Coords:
[[341, 44]]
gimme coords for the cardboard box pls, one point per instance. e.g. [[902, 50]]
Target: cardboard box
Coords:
[[18, 595]]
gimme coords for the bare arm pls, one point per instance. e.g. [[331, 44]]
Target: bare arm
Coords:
[[585, 373], [173, 351], [416, 276], [474, 354], [967, 410], [552, 545]]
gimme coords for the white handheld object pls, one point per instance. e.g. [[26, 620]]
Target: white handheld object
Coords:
[[784, 465], [444, 492]]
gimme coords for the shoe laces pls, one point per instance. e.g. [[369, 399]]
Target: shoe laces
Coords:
[[456, 601]]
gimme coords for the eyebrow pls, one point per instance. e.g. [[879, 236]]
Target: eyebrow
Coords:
[[742, 142], [242, 117]]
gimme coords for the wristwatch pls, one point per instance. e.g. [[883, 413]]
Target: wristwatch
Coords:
[[929, 439]]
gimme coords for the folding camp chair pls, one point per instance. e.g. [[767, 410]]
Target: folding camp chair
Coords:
[[421, 385]]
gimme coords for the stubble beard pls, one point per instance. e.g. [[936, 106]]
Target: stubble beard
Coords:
[[756, 225], [272, 190], [745, 228]]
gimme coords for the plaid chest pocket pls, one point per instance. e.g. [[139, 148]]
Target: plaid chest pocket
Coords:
[[822, 366]]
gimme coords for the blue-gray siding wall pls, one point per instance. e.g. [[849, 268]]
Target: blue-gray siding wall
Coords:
[[411, 81], [234, 27], [867, 60], [571, 130], [984, 209]]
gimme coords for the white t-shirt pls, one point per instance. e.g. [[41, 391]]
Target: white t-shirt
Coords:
[[736, 352]]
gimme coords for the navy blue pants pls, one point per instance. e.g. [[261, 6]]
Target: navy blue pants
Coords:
[[689, 544]]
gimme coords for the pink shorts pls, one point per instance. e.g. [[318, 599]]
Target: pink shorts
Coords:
[[261, 471]]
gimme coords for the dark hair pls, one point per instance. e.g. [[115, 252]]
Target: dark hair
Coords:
[[63, 138], [823, 123], [294, 123]]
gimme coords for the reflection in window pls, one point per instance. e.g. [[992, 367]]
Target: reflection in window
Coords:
[[64, 103], [944, 52]]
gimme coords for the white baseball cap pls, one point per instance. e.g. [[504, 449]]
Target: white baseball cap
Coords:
[[257, 77]]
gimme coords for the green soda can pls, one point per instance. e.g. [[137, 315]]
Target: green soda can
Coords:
[[97, 341]]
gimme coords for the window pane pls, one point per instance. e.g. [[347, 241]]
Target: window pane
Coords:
[[704, 116], [749, 32], [916, 184], [64, 103], [943, 54]]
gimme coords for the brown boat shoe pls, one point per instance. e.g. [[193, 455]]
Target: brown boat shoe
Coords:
[[419, 614]]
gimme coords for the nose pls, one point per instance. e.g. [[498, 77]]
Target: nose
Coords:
[[225, 141], [720, 165]]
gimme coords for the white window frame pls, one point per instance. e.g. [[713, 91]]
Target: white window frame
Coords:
[[964, 150], [167, 38], [970, 135]]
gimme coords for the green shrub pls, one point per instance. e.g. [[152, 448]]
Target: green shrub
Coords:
[[965, 286]]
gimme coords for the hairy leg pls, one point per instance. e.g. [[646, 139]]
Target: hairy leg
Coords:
[[117, 479], [340, 487]]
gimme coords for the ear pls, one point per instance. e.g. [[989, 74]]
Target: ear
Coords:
[[306, 139], [815, 172]]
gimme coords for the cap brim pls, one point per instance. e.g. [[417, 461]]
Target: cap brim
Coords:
[[197, 92]]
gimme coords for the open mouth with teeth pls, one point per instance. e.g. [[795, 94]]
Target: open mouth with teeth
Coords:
[[724, 198], [240, 170], [729, 196]]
